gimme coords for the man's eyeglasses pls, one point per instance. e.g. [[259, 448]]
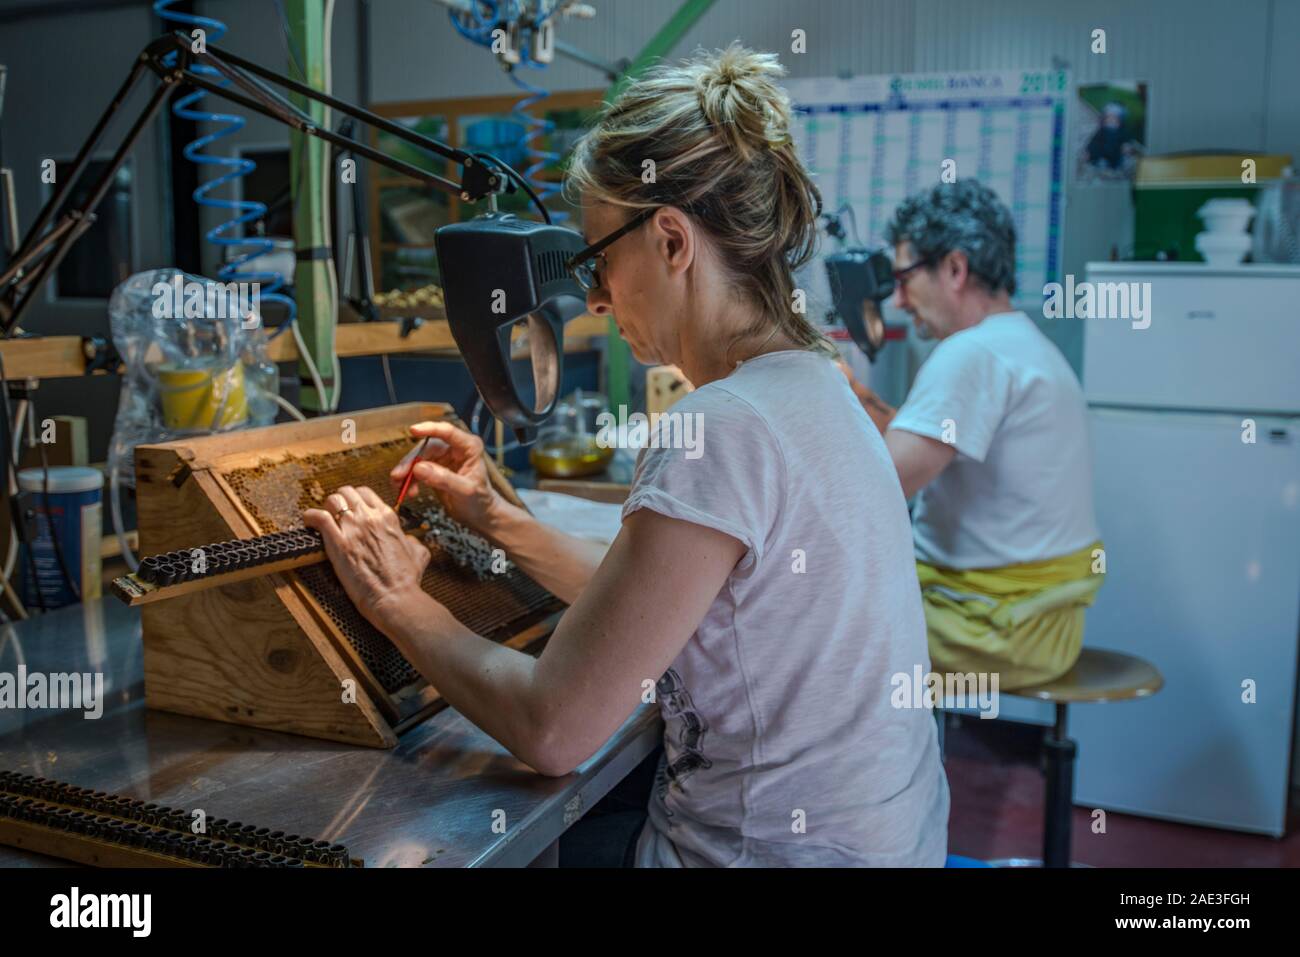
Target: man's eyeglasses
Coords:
[[587, 264], [901, 275]]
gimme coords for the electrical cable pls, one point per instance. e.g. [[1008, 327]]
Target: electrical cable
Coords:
[[479, 407], [12, 555], [18, 525], [288, 406], [11, 558], [523, 183], [19, 419], [20, 610], [11, 636], [338, 382], [388, 378], [115, 513], [312, 371]]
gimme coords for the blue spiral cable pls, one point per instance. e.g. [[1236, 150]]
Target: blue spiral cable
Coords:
[[248, 211], [480, 33], [535, 127]]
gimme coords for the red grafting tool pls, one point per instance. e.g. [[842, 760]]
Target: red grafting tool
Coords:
[[410, 473]]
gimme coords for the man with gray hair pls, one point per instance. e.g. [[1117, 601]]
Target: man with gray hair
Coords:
[[993, 442]]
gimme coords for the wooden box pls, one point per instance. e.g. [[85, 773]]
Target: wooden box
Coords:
[[282, 652]]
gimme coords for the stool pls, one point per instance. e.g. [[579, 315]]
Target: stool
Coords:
[[1097, 676]]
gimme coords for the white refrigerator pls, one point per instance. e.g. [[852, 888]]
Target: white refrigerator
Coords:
[[1196, 441]]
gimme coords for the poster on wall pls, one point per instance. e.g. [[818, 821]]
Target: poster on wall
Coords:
[[1110, 131], [872, 141]]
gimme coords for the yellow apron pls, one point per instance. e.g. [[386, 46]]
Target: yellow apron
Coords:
[[1024, 622]]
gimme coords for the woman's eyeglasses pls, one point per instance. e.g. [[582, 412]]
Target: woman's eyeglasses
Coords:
[[586, 265]]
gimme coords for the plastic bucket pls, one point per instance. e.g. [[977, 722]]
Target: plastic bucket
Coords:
[[202, 399], [71, 512]]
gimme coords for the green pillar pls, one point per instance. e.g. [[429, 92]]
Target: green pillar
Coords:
[[311, 186]]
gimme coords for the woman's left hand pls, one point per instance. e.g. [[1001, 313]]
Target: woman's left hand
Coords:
[[379, 565]]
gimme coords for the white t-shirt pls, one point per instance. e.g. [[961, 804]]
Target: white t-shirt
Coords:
[[1019, 488], [781, 743]]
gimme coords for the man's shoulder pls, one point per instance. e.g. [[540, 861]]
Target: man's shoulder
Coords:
[[993, 330], [961, 354], [1010, 341]]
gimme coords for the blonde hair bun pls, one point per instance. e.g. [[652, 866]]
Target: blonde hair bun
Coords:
[[742, 100], [711, 136]]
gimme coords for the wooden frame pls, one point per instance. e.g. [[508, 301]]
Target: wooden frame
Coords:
[[263, 652]]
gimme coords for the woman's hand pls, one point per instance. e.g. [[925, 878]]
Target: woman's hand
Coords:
[[379, 565], [453, 465]]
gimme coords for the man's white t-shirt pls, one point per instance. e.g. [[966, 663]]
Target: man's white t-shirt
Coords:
[[782, 746], [1019, 488]]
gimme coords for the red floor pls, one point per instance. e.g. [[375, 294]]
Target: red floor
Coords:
[[997, 812]]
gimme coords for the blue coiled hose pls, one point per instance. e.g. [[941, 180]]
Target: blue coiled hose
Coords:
[[477, 27], [247, 211]]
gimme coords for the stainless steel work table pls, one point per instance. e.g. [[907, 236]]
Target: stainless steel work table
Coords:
[[430, 801]]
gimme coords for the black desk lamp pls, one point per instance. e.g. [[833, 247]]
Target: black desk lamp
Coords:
[[496, 270]]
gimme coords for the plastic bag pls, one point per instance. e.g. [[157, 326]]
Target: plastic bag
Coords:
[[195, 354]]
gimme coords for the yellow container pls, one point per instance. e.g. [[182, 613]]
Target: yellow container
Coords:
[[202, 398]]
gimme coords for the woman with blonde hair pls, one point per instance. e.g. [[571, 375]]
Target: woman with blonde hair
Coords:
[[770, 602]]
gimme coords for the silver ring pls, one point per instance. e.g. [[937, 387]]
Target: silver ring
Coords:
[[338, 516]]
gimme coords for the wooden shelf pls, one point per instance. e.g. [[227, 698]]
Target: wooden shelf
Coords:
[[55, 357]]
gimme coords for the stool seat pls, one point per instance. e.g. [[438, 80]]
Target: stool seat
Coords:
[[1099, 675]]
